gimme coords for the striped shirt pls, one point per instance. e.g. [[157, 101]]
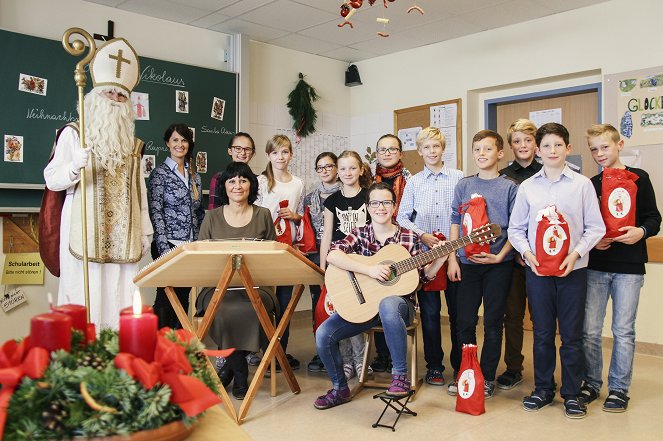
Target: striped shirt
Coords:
[[426, 202]]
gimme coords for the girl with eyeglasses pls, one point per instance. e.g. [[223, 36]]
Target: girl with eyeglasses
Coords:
[[325, 167], [390, 170], [344, 211], [241, 148], [395, 312]]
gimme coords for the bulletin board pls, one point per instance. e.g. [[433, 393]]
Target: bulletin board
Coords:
[[33, 118], [420, 116], [634, 105]]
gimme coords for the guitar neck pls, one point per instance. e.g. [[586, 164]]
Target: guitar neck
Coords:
[[422, 259]]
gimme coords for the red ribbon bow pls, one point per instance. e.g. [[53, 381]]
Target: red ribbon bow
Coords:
[[16, 362], [171, 367]]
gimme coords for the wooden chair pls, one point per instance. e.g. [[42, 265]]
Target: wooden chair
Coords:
[[413, 371]]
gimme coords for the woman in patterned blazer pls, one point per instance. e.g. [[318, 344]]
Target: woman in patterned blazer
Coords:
[[176, 210]]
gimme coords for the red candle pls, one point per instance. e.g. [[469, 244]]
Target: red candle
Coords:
[[138, 332], [130, 310], [51, 331], [78, 314]]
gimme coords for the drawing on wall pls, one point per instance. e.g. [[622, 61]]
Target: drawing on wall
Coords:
[[201, 162], [640, 108], [32, 84], [13, 148], [147, 163], [181, 101], [218, 106], [141, 105]]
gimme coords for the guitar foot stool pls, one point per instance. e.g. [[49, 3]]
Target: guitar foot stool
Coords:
[[398, 404]]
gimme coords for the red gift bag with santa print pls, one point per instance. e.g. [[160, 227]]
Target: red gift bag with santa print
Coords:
[[469, 398], [618, 192], [552, 241], [282, 227], [474, 215], [323, 309], [306, 234], [439, 283]]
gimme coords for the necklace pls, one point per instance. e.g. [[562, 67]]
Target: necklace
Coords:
[[345, 195]]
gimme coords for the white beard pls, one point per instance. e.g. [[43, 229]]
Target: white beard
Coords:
[[109, 129]]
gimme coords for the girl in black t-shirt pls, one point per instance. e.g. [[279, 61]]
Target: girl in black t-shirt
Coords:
[[345, 210]]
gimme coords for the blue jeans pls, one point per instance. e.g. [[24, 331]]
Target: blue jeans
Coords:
[[625, 292], [395, 313], [558, 301]]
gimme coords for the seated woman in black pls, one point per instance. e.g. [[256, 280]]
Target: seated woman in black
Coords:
[[236, 324]]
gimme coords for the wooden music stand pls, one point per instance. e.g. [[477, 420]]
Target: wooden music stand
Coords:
[[244, 263]]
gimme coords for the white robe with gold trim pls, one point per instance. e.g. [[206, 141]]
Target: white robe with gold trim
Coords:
[[111, 284]]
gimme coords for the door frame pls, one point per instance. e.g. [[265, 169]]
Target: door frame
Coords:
[[490, 105]]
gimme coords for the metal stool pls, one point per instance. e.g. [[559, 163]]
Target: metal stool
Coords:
[[400, 407]]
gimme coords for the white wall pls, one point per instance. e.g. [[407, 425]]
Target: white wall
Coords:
[[273, 74], [151, 37], [571, 48]]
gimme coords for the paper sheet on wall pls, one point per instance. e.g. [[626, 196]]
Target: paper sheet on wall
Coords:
[[541, 117], [450, 158], [444, 115], [409, 137]]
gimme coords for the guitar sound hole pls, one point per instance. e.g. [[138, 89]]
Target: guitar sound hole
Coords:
[[393, 277]]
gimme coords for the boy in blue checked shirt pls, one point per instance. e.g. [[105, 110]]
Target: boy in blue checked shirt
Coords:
[[426, 208], [557, 300], [484, 276]]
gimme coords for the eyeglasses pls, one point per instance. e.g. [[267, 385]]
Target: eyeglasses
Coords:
[[385, 204], [390, 150], [328, 167], [238, 149]]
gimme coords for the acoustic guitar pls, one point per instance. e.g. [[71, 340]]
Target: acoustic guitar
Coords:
[[356, 297]]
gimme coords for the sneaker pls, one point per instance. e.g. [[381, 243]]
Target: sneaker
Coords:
[[509, 380], [400, 386], [537, 400], [434, 377], [574, 408], [359, 367], [587, 394], [315, 365], [253, 358], [382, 363], [488, 389], [452, 389], [293, 362], [349, 371], [333, 398], [616, 402], [220, 362]]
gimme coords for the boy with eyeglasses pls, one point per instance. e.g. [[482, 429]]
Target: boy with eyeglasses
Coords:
[[395, 312], [426, 209], [390, 170], [241, 148]]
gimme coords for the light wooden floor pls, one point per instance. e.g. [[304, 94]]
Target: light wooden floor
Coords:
[[293, 417]]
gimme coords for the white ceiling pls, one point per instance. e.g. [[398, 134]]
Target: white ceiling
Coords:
[[311, 25]]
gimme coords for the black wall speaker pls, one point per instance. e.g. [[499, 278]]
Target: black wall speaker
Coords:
[[352, 76]]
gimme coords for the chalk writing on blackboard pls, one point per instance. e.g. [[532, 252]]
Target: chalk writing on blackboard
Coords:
[[149, 75]]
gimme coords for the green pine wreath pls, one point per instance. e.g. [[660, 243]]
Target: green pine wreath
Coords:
[[300, 105]]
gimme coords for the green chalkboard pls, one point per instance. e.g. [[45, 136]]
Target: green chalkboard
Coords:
[[33, 118]]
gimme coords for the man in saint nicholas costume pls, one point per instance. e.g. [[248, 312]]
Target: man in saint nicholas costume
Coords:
[[118, 225]]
